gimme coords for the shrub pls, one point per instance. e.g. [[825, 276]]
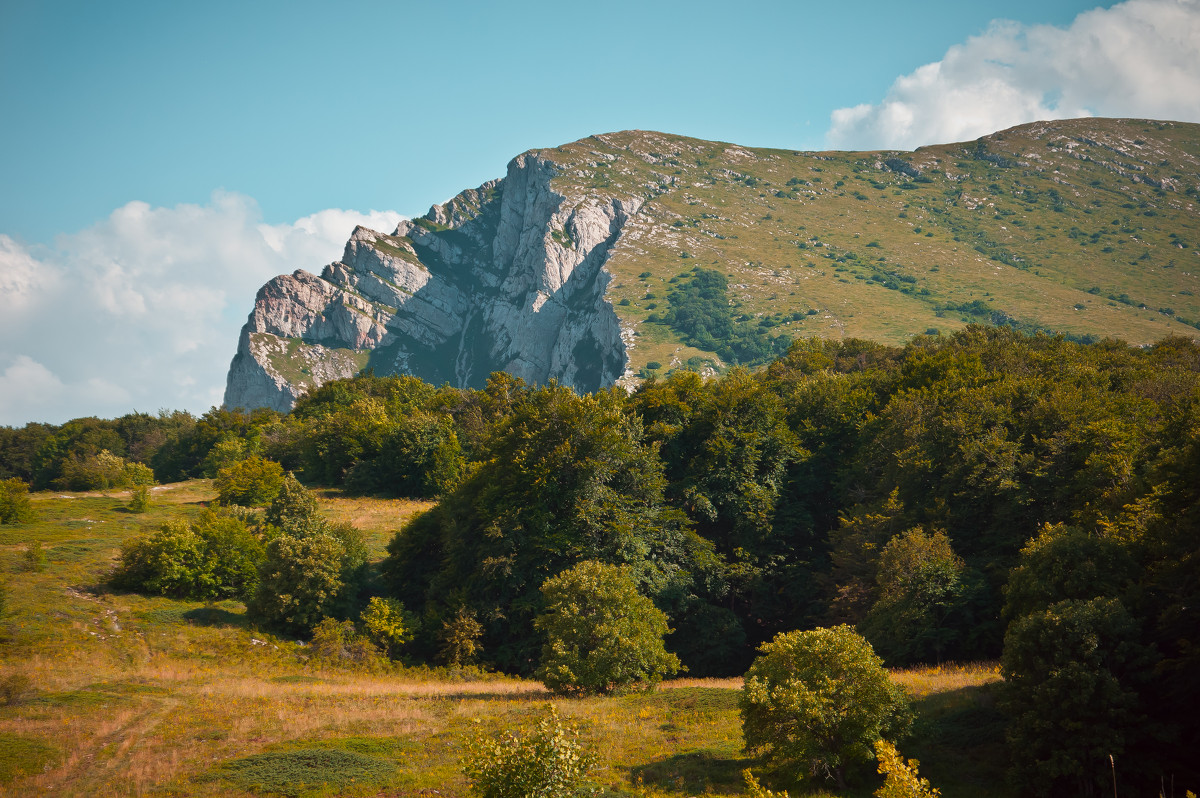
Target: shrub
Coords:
[[253, 482], [139, 499], [756, 790], [820, 698], [213, 557], [307, 771], [14, 687], [35, 557], [299, 583], [601, 634], [548, 762], [293, 506], [900, 778], [387, 625], [102, 471], [15, 507], [338, 642]]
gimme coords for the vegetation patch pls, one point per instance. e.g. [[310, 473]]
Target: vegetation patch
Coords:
[[309, 772], [20, 756]]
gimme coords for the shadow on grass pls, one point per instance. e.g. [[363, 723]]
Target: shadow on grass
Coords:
[[959, 739], [693, 772], [216, 616]]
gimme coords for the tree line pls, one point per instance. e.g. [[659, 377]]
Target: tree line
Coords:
[[986, 494]]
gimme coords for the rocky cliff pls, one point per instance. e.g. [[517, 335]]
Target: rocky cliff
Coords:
[[506, 277]]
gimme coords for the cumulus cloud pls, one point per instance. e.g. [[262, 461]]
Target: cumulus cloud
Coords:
[[1136, 59], [142, 310]]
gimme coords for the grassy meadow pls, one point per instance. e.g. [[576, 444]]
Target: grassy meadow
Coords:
[[107, 693]]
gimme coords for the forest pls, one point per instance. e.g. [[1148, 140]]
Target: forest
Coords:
[[986, 495]]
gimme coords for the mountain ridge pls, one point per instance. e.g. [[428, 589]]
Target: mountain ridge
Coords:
[[566, 267]]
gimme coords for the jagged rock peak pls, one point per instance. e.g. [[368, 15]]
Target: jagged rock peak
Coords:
[[507, 276]]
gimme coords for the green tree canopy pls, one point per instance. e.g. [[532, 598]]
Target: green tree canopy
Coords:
[[602, 635], [819, 700]]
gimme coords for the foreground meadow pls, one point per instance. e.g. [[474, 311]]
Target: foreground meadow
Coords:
[[108, 693]]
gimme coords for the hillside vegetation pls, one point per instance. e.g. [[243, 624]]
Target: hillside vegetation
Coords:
[[1086, 227], [984, 495]]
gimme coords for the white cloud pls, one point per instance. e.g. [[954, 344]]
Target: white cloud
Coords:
[[142, 310], [1136, 59]]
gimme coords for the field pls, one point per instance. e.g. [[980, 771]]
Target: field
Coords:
[[106, 693]]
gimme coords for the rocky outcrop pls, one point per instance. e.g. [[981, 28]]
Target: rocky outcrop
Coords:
[[506, 277]]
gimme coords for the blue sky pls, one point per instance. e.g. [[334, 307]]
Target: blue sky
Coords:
[[160, 160]]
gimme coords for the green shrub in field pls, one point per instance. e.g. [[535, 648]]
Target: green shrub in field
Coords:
[[14, 502], [602, 635], [820, 699], [253, 482], [312, 569], [139, 499], [460, 638], [213, 557], [547, 762]]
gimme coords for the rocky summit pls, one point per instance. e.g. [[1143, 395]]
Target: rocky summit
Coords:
[[570, 267]]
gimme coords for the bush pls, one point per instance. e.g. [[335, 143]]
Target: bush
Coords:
[[253, 482], [460, 638], [820, 698], [214, 557], [15, 507], [139, 499], [548, 762], [35, 559], [601, 634], [338, 642], [300, 582], [900, 778], [387, 625], [102, 471]]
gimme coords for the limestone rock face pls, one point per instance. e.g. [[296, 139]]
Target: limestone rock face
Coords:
[[506, 277]]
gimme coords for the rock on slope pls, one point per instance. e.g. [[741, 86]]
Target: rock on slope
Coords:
[[506, 277]]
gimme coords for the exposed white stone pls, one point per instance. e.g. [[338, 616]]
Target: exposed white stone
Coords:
[[506, 277]]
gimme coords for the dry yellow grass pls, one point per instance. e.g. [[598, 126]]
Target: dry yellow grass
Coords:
[[928, 679]]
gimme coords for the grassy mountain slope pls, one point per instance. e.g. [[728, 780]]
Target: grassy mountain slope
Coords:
[[1084, 227]]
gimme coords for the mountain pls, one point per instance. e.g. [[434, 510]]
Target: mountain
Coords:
[[632, 253]]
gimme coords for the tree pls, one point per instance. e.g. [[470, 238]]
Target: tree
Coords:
[[563, 478], [300, 582], [15, 507], [252, 482], [820, 699], [601, 634], [1071, 674], [387, 625], [920, 583]]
